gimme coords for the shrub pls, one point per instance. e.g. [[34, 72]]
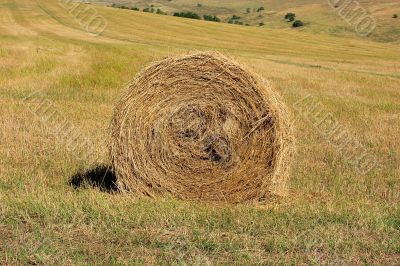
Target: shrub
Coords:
[[135, 8], [298, 23], [260, 9], [149, 10], [159, 11], [211, 18], [248, 10], [199, 5], [261, 24], [395, 16], [234, 20], [290, 16], [187, 15], [234, 17]]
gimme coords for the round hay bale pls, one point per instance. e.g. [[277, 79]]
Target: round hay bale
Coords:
[[200, 126]]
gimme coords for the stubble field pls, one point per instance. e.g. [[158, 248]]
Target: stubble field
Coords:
[[334, 213]]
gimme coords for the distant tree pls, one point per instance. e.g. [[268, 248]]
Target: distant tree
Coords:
[[211, 18], [297, 23], [395, 16], [234, 20], [234, 17], [260, 9], [148, 9], [290, 16], [187, 15], [159, 11], [261, 24]]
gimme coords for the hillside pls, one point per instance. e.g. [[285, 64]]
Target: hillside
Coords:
[[319, 16], [334, 213]]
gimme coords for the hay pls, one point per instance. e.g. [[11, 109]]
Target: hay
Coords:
[[200, 126]]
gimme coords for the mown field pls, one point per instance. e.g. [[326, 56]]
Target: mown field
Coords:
[[318, 16], [333, 215]]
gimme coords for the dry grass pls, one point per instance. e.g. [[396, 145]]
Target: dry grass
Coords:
[[319, 16], [332, 214]]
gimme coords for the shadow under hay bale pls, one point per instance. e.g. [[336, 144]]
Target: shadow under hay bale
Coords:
[[100, 176]]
